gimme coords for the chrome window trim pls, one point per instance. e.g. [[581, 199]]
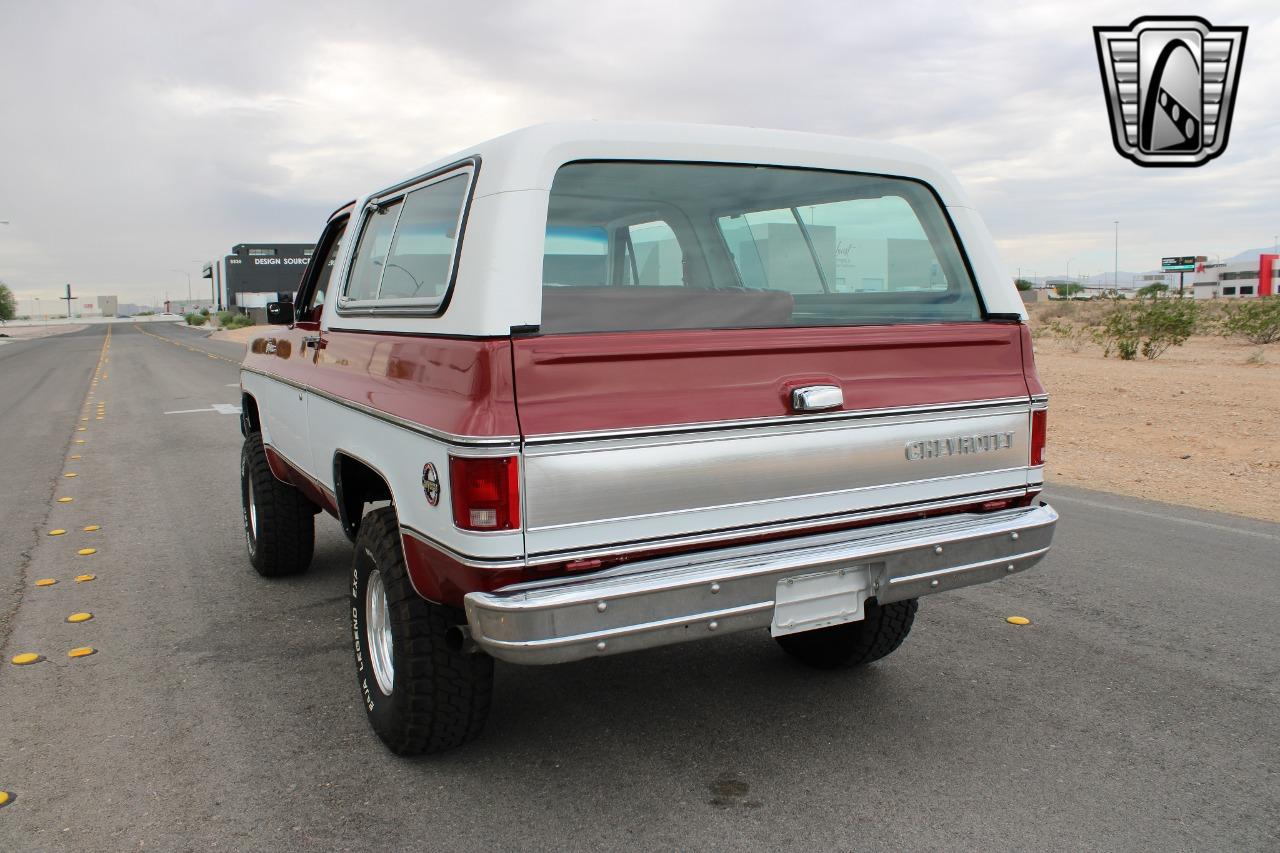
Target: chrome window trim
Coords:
[[778, 420], [508, 443], [424, 306]]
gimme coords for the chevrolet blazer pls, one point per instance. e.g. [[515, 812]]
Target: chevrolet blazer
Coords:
[[591, 388]]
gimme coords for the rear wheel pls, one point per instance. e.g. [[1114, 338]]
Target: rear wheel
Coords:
[[855, 643], [279, 522], [422, 693]]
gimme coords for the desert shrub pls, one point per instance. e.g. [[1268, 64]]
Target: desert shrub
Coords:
[[1149, 326], [194, 319], [1074, 335], [239, 321], [1255, 320], [225, 317]]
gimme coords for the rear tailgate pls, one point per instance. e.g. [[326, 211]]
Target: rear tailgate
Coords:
[[649, 439]]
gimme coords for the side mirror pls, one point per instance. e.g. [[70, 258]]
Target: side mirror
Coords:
[[279, 313]]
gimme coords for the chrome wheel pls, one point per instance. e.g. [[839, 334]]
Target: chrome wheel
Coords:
[[253, 512], [377, 620]]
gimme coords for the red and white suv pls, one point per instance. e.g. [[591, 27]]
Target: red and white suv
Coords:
[[592, 388]]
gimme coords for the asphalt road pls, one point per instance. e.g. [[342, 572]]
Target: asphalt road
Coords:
[[1137, 711]]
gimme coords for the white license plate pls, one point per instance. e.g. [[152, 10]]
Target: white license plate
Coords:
[[820, 599]]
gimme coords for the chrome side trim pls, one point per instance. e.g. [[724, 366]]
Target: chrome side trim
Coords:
[[789, 420], [676, 599], [780, 501], [458, 556], [727, 534], [702, 539], [508, 441]]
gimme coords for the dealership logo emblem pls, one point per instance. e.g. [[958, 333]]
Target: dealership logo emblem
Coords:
[[1170, 84]]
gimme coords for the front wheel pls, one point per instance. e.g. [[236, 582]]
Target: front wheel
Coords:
[[879, 633], [279, 521], [421, 694]]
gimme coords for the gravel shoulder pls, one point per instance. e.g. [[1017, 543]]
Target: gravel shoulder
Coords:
[[1195, 427]]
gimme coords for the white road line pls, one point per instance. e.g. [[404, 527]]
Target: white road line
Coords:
[[1055, 497], [220, 408]]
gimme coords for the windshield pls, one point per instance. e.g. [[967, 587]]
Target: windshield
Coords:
[[634, 245]]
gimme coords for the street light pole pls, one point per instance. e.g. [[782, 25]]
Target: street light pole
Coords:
[[188, 275], [1115, 282]]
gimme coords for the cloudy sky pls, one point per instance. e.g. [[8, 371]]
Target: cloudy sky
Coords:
[[139, 139]]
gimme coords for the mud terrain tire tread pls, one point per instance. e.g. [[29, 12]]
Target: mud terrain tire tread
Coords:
[[285, 538], [440, 696]]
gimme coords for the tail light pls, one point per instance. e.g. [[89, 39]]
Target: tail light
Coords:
[[1039, 434], [486, 492]]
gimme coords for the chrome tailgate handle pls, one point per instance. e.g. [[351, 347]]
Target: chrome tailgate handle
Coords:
[[816, 398]]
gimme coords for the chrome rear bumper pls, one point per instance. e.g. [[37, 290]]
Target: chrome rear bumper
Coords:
[[674, 599]]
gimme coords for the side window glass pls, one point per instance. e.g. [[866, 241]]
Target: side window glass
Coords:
[[371, 252], [658, 260], [421, 254], [311, 311]]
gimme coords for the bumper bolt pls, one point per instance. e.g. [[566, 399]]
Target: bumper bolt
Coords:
[[602, 606], [600, 646], [933, 583], [713, 624], [715, 588], [1009, 567], [1013, 535], [937, 549]]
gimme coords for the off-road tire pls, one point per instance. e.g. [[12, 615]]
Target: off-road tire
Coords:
[[855, 643], [283, 538], [440, 695]]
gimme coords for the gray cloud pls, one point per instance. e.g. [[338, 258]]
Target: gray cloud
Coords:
[[140, 137]]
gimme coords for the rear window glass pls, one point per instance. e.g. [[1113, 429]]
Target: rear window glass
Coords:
[[636, 246]]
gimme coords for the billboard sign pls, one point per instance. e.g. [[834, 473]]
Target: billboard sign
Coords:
[[1183, 263]]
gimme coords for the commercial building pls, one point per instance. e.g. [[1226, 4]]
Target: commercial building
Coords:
[[55, 307], [1240, 280], [258, 273]]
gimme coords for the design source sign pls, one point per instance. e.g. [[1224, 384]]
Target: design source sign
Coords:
[[1170, 84]]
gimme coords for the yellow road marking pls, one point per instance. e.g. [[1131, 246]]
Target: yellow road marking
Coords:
[[92, 527], [46, 582], [85, 578], [84, 552], [1018, 620], [79, 617], [81, 652], [71, 474], [57, 531], [24, 658], [5, 797]]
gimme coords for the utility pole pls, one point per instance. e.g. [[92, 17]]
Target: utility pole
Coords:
[[1115, 282], [68, 297]]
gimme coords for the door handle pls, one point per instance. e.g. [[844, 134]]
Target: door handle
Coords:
[[816, 398], [315, 341]]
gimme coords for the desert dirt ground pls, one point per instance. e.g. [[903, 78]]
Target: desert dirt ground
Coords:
[[27, 330], [1198, 426]]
